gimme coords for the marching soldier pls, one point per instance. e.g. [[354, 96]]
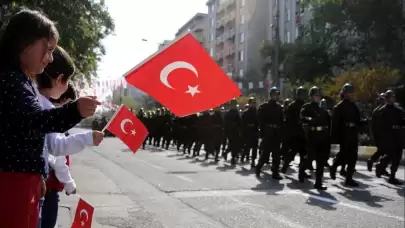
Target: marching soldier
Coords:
[[345, 129], [393, 120], [217, 131], [250, 135], [271, 118], [232, 130], [295, 134], [316, 122], [375, 131]]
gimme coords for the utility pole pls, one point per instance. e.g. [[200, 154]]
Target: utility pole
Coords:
[[276, 52]]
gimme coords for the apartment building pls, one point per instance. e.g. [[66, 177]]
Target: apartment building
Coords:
[[236, 29], [290, 19], [163, 44], [198, 26]]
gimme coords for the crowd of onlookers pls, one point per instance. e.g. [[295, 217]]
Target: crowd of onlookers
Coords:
[[38, 106]]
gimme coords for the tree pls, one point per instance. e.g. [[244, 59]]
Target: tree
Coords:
[[82, 25], [367, 82], [362, 32]]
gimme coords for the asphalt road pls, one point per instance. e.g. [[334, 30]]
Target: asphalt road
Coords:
[[156, 188]]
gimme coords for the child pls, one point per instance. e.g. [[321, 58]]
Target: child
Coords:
[[52, 83]]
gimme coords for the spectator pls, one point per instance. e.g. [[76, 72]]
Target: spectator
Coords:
[[26, 47]]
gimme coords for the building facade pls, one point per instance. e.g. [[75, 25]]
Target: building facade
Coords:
[[236, 29], [198, 26]]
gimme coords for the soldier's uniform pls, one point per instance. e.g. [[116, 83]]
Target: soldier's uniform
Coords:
[[295, 135], [316, 123], [393, 121], [250, 135], [271, 119], [232, 130], [345, 130], [217, 131]]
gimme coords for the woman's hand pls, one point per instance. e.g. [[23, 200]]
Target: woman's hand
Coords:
[[87, 106]]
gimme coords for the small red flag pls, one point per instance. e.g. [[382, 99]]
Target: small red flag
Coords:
[[84, 215], [184, 78], [128, 128]]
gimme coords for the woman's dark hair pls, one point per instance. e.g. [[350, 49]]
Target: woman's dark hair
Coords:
[[61, 64], [23, 29], [70, 93]]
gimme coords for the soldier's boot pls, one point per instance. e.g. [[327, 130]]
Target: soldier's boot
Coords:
[[253, 163], [370, 164], [332, 172], [276, 175], [378, 170], [393, 180], [233, 161], [385, 173], [351, 183], [343, 172], [319, 186]]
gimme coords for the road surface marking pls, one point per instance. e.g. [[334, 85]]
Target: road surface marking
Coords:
[[184, 178], [275, 217], [248, 192], [150, 164]]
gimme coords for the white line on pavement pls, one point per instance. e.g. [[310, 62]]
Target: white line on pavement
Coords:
[[150, 164], [231, 193], [184, 178]]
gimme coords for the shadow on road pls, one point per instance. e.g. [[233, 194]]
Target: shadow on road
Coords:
[[362, 195], [268, 185]]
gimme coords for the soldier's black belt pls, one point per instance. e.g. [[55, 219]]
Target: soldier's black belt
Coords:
[[319, 128], [272, 125], [251, 125], [396, 127], [351, 125]]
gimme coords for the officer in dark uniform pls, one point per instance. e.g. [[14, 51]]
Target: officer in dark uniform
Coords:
[[296, 140], [316, 123], [375, 130], [271, 119], [217, 131], [345, 130], [142, 117], [250, 135], [233, 126], [393, 121]]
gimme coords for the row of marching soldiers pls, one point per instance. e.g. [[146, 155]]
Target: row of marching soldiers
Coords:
[[304, 128]]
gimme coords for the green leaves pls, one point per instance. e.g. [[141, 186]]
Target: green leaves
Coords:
[[82, 25]]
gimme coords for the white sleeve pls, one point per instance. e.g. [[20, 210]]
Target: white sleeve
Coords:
[[62, 145], [62, 173]]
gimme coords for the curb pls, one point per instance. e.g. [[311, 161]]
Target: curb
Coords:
[[364, 153]]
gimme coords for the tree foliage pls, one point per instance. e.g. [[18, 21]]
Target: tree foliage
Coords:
[[368, 82], [82, 25]]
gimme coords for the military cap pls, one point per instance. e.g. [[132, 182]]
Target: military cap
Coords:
[[347, 88], [274, 90], [314, 91]]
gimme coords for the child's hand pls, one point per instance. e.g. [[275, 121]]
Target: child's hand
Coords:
[[98, 137], [72, 193], [42, 189]]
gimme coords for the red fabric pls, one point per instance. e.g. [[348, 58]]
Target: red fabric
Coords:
[[127, 127], [84, 215], [184, 56], [20, 192], [53, 182]]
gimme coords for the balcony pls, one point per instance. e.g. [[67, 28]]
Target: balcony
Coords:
[[219, 55], [230, 17], [230, 50], [230, 35], [230, 3]]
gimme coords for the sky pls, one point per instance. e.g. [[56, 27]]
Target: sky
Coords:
[[153, 20]]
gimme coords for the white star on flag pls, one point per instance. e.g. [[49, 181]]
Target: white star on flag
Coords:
[[192, 90]]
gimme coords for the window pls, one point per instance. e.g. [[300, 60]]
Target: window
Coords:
[[212, 22], [288, 15], [241, 55], [243, 2], [212, 38], [241, 73], [212, 52], [242, 37], [288, 37], [242, 19], [297, 32]]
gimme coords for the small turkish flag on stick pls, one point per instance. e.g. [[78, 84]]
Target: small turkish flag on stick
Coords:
[[127, 127], [84, 215]]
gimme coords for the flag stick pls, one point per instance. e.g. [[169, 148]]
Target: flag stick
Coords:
[[115, 114]]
